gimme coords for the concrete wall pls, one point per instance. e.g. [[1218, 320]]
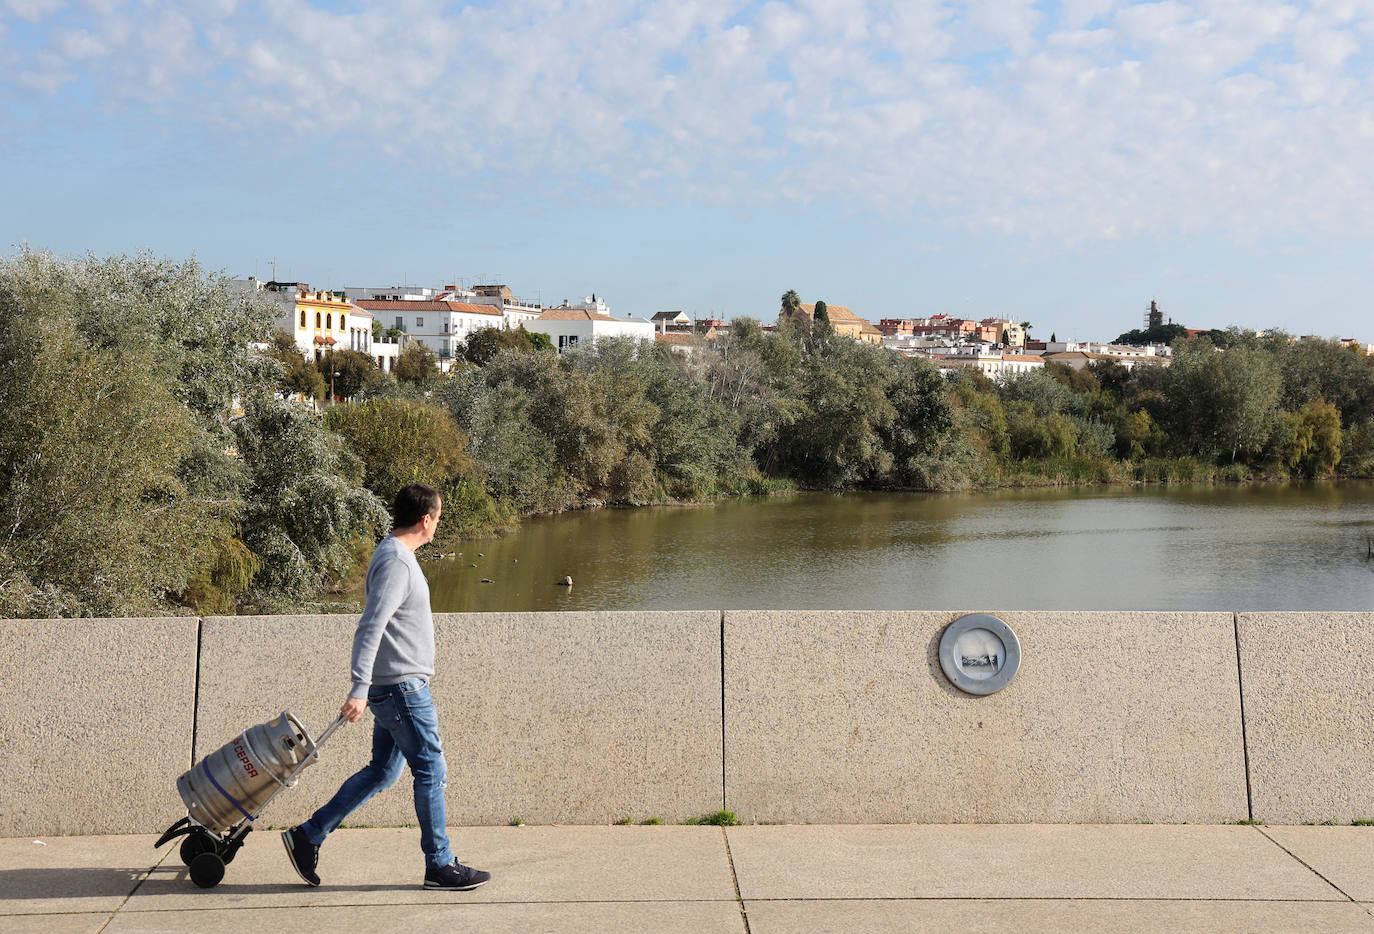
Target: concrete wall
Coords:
[[835, 717], [549, 717], [96, 723], [781, 716], [1309, 715]]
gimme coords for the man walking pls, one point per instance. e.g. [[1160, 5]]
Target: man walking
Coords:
[[393, 660]]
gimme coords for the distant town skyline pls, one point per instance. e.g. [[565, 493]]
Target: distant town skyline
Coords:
[[1063, 163]]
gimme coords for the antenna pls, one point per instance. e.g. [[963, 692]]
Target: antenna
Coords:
[[273, 261]]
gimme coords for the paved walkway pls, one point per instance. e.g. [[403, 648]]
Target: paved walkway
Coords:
[[741, 880]]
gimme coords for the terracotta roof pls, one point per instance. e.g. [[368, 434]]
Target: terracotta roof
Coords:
[[685, 340], [575, 314], [435, 306], [1023, 357], [1072, 354]]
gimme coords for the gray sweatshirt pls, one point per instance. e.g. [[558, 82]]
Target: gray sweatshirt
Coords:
[[394, 641]]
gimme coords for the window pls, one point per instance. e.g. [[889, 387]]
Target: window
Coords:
[[419, 322], [445, 327], [329, 322], [317, 320], [302, 317], [400, 325]]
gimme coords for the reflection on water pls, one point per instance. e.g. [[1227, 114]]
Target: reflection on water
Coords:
[[1194, 548]]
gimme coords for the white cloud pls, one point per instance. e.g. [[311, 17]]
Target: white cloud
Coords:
[[31, 11], [1238, 115]]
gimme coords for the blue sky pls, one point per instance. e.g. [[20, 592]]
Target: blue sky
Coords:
[[1059, 162]]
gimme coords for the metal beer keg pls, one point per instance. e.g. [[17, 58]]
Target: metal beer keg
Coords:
[[233, 782]]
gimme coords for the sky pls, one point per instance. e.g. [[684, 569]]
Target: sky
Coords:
[[1063, 163]]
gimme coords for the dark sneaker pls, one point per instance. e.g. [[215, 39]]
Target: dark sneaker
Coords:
[[305, 856], [455, 877]]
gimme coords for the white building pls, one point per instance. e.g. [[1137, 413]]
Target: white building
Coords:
[[514, 311], [320, 321], [988, 359], [568, 326], [442, 326]]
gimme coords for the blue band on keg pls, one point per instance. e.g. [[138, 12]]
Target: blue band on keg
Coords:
[[205, 767]]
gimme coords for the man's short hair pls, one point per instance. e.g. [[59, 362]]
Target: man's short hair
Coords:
[[414, 503]]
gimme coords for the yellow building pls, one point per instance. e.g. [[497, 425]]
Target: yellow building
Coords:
[[319, 320], [843, 320]]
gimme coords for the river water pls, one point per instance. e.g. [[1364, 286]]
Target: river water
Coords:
[[1265, 547]]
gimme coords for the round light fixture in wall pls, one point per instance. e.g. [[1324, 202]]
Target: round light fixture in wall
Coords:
[[979, 653]]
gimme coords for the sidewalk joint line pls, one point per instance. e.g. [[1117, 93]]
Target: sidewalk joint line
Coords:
[[1052, 898], [1244, 740], [1305, 863], [734, 877], [195, 703], [714, 901], [138, 885], [722, 710]]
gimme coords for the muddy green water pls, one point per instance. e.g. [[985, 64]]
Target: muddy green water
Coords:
[[1191, 548]]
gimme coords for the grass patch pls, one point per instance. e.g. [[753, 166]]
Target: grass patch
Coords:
[[1248, 822], [517, 822], [715, 819], [623, 822], [1362, 822], [651, 822]]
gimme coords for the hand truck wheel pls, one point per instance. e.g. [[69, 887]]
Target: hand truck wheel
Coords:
[[194, 844], [207, 870]]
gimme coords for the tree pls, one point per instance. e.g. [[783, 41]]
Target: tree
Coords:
[[307, 516], [353, 372], [791, 305], [1324, 370], [1160, 334], [416, 365], [822, 312], [1309, 440], [1221, 403], [401, 441], [299, 376], [116, 488], [485, 343]]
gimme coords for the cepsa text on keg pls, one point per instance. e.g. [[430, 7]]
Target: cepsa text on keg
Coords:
[[247, 763]]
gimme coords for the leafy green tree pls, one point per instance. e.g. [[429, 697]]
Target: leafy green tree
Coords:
[[486, 343], [307, 515], [96, 519], [791, 304], [354, 373], [1309, 440], [1324, 370], [822, 312], [400, 442], [1161, 334], [416, 365], [1046, 394], [299, 377], [1221, 403], [118, 375], [517, 462]]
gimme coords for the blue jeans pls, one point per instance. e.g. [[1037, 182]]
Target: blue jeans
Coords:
[[405, 730]]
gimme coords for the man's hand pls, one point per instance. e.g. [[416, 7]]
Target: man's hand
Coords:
[[353, 709]]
